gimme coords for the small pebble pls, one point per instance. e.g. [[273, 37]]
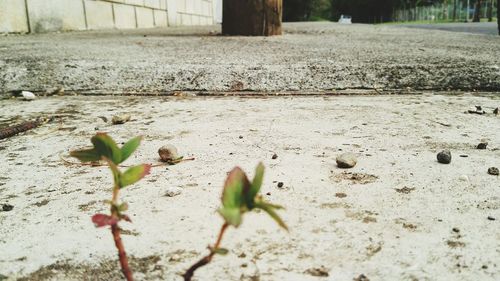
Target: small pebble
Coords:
[[7, 207], [482, 145], [317, 271], [280, 184], [120, 119], [240, 137], [491, 218], [346, 160], [275, 156], [168, 153], [464, 178], [456, 230], [493, 171], [28, 95], [496, 111], [444, 157], [173, 191]]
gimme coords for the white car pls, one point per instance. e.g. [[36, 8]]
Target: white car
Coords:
[[345, 19]]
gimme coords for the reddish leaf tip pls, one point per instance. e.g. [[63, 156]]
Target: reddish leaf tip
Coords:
[[147, 170], [101, 220]]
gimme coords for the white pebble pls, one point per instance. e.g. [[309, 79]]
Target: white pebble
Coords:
[[28, 95], [464, 178]]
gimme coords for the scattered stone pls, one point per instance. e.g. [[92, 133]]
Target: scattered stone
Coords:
[[168, 153], [482, 145], [340, 195], [280, 184], [464, 178], [455, 244], [479, 110], [275, 156], [120, 119], [361, 277], [456, 230], [7, 207], [28, 95], [496, 111], [491, 218], [173, 191], [268, 194], [240, 137], [346, 160], [464, 155], [405, 190], [317, 271], [175, 258], [493, 171], [444, 157]]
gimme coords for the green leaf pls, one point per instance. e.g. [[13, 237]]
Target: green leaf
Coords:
[[255, 186], [232, 195], [86, 155], [107, 147], [129, 148], [231, 215], [270, 209], [122, 207], [134, 174], [221, 251]]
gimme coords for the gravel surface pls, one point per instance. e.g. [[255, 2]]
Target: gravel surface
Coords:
[[309, 57], [489, 28], [397, 215]]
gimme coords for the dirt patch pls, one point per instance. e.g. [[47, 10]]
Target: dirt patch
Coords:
[[455, 244], [356, 178], [88, 206], [405, 190], [150, 266], [42, 203]]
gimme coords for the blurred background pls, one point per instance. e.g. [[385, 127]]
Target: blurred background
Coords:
[[380, 11]]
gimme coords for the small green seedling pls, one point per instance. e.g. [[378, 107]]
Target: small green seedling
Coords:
[[238, 197], [106, 149]]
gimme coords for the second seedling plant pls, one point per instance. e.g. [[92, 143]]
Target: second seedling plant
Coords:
[[238, 197]]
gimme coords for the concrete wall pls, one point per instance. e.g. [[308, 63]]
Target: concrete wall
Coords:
[[22, 16]]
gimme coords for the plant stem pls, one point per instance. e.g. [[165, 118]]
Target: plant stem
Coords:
[[205, 260], [121, 252], [115, 230]]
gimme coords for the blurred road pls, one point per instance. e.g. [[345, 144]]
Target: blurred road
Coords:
[[489, 28]]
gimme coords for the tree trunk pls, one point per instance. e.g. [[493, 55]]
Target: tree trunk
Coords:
[[498, 16], [489, 11], [454, 10], [445, 9], [252, 17], [477, 11]]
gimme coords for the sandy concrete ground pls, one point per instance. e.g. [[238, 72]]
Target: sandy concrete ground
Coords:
[[309, 57], [488, 28], [397, 215]]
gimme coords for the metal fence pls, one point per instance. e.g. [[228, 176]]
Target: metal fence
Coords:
[[463, 11]]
